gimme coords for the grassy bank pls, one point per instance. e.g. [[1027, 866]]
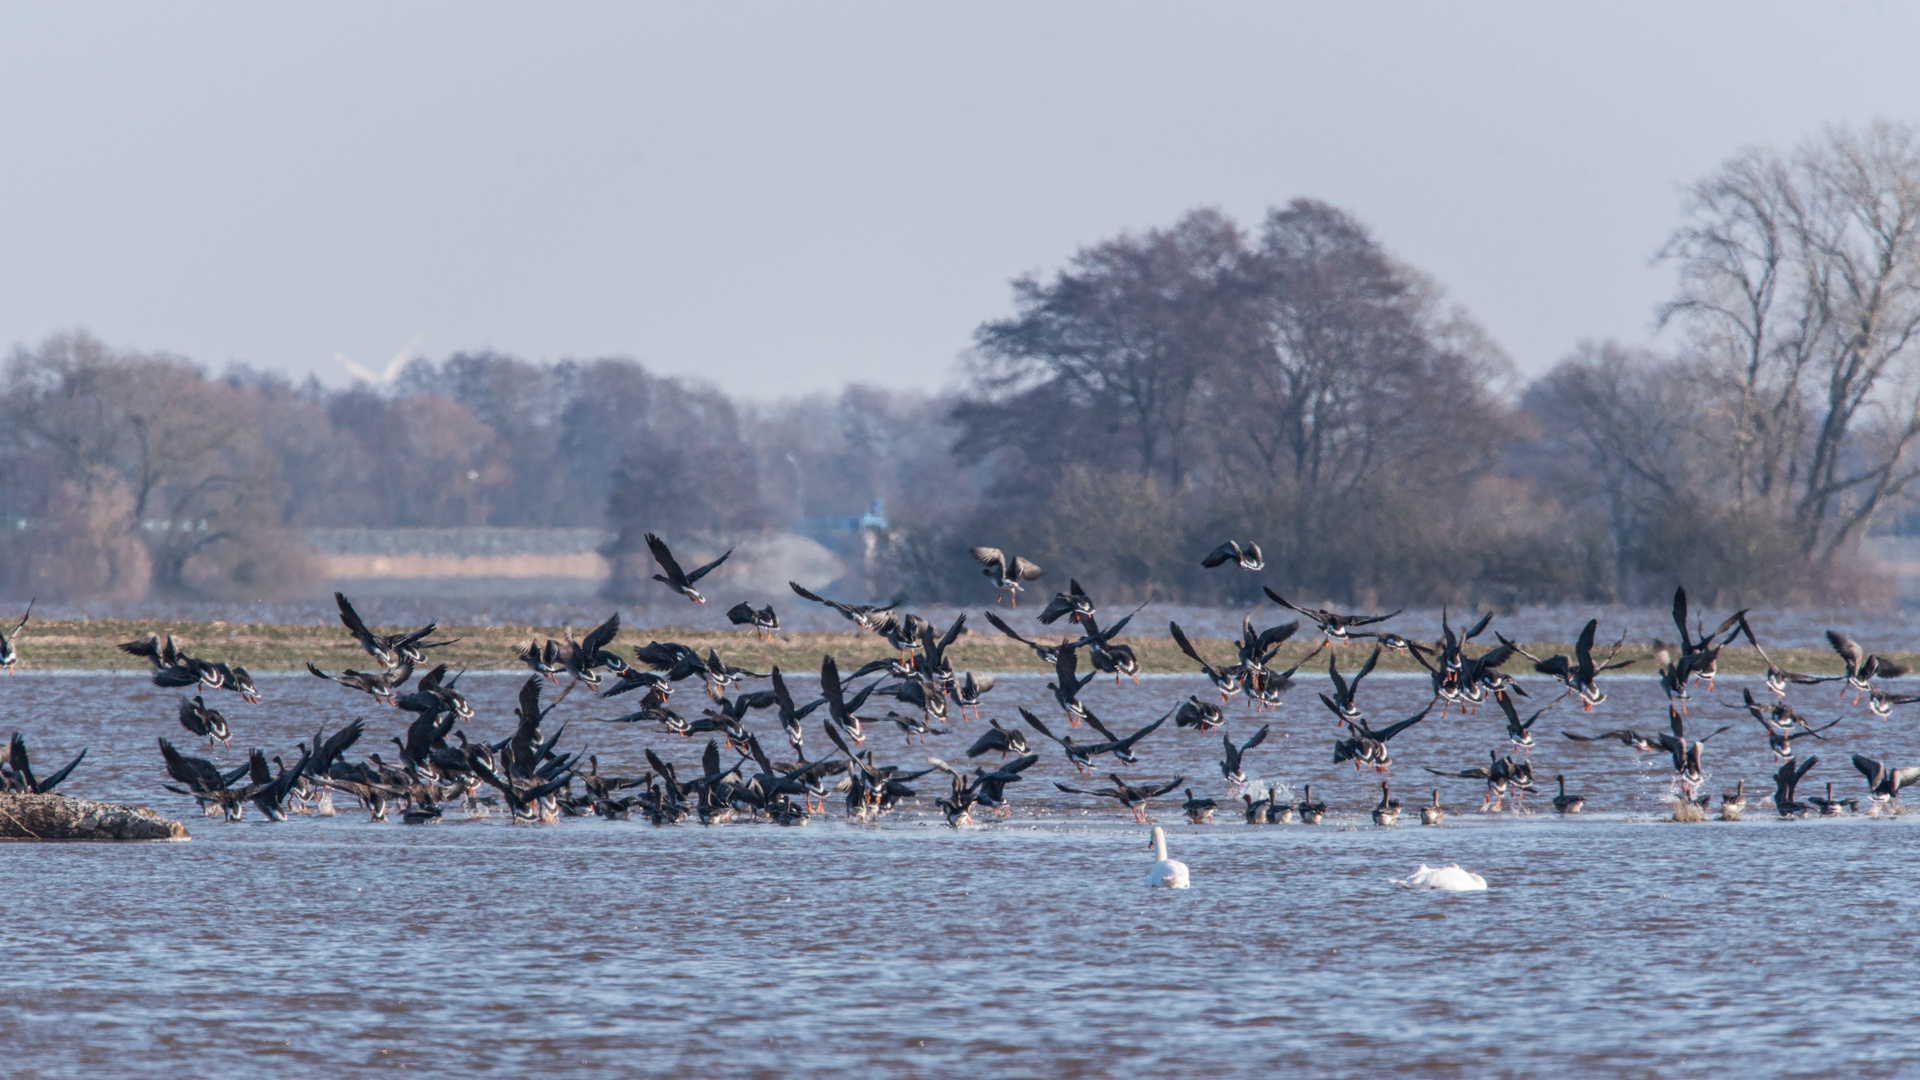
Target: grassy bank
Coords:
[[90, 645]]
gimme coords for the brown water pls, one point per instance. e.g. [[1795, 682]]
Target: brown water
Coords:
[[1607, 945]]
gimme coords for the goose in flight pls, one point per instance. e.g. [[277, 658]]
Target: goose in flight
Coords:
[[1133, 797], [1227, 680], [20, 777], [763, 620], [1008, 573], [10, 642], [1231, 764], [1074, 604], [675, 578], [205, 722], [865, 616], [1883, 781], [390, 650], [1578, 674], [1334, 625], [1862, 667], [1246, 558]]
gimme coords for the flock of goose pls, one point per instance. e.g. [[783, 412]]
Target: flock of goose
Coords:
[[434, 765]]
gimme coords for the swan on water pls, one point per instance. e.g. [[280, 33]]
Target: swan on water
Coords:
[[1449, 878], [1168, 873]]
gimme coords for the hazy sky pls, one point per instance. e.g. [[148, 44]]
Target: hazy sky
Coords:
[[786, 197]]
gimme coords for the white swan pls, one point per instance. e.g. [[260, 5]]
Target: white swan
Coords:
[[1166, 873], [1449, 878]]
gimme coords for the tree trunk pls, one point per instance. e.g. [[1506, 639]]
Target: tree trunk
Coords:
[[57, 817]]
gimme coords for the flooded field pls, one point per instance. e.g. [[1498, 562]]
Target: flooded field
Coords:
[[1609, 944]]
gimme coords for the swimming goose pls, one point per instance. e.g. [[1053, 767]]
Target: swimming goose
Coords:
[[763, 620], [1226, 680], [1733, 803], [1165, 873], [1008, 573], [10, 642], [1832, 807], [1388, 812], [675, 578], [21, 777], [1432, 813], [1230, 764], [1246, 558], [1334, 625], [1311, 813], [1199, 811], [1133, 797], [1565, 803], [1257, 811]]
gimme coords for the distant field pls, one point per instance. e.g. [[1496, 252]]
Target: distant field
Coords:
[[89, 645]]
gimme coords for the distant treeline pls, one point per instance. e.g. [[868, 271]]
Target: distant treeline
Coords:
[[1291, 384]]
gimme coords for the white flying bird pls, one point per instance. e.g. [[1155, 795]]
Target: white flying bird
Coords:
[[393, 369]]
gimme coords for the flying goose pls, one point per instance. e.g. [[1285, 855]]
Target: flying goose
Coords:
[[1862, 667], [20, 776], [1133, 797], [675, 578], [1230, 764], [1226, 680], [763, 620], [390, 650], [1008, 573], [10, 642], [1332, 624], [1246, 558], [1883, 781]]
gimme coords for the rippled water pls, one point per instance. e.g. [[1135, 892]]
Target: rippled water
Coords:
[[1608, 945]]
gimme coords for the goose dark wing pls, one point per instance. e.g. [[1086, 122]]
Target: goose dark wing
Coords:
[[709, 568], [664, 556], [601, 637]]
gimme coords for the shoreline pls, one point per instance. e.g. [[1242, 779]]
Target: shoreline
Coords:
[[90, 645]]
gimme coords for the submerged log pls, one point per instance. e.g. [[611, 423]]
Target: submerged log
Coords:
[[57, 817]]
